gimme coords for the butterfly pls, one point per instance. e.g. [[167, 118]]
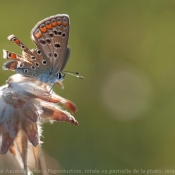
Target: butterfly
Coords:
[[47, 61]]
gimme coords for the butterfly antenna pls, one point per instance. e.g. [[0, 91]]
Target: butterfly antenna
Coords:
[[75, 74]]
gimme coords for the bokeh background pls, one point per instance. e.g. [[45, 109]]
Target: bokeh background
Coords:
[[125, 49]]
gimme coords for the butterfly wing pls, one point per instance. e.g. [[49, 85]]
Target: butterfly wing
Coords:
[[49, 58], [67, 58], [31, 63], [51, 37]]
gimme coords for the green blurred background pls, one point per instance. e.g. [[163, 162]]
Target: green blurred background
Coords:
[[125, 49]]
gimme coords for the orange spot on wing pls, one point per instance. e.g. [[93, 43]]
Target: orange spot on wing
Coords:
[[49, 26], [16, 41], [54, 24], [64, 24], [12, 56], [43, 29], [59, 23], [12, 65], [38, 34]]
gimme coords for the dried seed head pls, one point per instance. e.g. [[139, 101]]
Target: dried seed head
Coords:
[[24, 102]]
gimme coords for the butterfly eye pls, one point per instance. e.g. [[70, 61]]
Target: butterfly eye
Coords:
[[59, 76]]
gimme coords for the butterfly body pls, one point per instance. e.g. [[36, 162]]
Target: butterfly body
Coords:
[[47, 61], [46, 76]]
